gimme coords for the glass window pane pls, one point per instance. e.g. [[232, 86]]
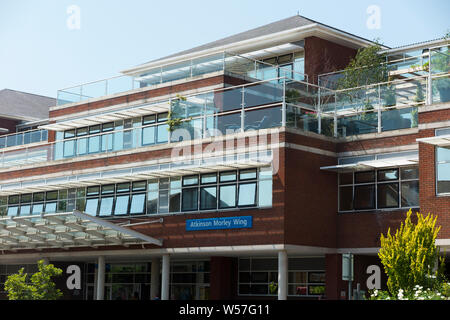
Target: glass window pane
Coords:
[[109, 189], [388, 195], [262, 118], [148, 135], [247, 194], [121, 205], [13, 199], [69, 148], [247, 174], [443, 177], [38, 196], [443, 154], [153, 185], [37, 208], [163, 201], [190, 199], [208, 178], [94, 144], [265, 193], [82, 146], [409, 173], [174, 200], [108, 126], [365, 197], [190, 180], [25, 198], [208, 198], [163, 133], [163, 116], [346, 178], [12, 211], [228, 176], [363, 177], [106, 206], [25, 210], [52, 195], [82, 131], [139, 186], [149, 119], [175, 183], [123, 187], [50, 207], [91, 206], [386, 175], [69, 134], [227, 196], [152, 202], [137, 203], [345, 198], [410, 194], [92, 191]]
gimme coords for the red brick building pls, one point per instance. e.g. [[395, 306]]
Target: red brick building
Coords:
[[232, 170]]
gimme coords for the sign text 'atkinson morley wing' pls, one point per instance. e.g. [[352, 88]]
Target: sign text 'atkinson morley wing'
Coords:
[[219, 223]]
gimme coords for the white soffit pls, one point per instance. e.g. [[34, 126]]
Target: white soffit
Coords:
[[371, 165], [99, 118], [440, 141], [66, 230], [137, 173]]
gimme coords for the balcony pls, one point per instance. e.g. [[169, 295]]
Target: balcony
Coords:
[[171, 74], [271, 103], [22, 138]]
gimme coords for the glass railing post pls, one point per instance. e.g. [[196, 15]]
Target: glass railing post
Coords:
[[429, 92], [379, 110], [242, 110], [283, 106], [319, 115], [335, 116]]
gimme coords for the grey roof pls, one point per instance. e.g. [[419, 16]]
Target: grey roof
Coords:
[[274, 27], [22, 105]]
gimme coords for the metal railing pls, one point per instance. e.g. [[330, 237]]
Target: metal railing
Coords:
[[22, 138], [170, 73]]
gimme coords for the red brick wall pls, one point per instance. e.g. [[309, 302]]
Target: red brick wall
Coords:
[[323, 56], [8, 124], [311, 199]]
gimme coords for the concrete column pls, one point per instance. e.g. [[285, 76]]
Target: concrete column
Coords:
[[155, 282], [165, 277], [282, 275], [101, 278]]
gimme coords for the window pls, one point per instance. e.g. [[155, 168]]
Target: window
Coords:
[[91, 206], [210, 191], [442, 170], [306, 276], [379, 189], [106, 206], [121, 207], [247, 194], [137, 203]]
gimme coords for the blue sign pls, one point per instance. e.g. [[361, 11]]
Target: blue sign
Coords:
[[219, 223]]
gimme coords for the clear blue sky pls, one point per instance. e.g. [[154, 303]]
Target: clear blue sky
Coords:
[[40, 54]]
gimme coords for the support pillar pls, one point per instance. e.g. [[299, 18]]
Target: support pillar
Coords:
[[165, 277], [101, 278], [155, 282], [282, 275]]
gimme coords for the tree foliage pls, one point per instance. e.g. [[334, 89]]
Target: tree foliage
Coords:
[[410, 256], [39, 287], [367, 67]]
